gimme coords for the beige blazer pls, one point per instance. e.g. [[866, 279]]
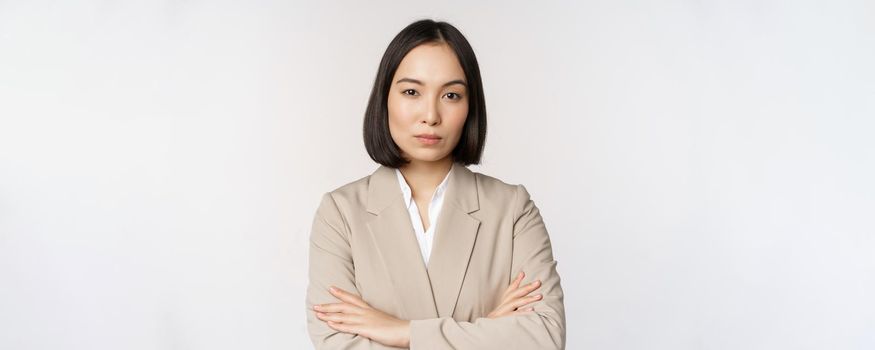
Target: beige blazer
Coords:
[[362, 240]]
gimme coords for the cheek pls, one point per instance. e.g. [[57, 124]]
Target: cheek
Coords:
[[396, 130], [456, 116], [397, 114], [400, 110]]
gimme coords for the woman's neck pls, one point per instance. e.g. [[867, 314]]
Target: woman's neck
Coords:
[[424, 177]]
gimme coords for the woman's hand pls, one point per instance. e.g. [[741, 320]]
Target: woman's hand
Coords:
[[353, 315], [515, 297]]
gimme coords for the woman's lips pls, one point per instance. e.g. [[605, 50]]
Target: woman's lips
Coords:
[[428, 140]]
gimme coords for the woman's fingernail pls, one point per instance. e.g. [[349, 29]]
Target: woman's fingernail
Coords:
[[332, 289], [539, 296], [317, 307]]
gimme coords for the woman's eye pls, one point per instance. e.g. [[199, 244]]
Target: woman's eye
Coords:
[[454, 96], [411, 92]]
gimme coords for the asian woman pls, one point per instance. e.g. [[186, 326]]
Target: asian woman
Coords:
[[424, 253]]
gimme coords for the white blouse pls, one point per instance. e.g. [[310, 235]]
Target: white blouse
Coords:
[[425, 238]]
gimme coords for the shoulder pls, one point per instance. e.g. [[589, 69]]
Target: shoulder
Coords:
[[351, 194], [495, 191], [494, 186], [513, 201], [352, 188]]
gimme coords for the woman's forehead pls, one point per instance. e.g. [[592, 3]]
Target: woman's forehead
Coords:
[[430, 64]]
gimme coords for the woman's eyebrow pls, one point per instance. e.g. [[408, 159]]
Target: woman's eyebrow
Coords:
[[451, 82]]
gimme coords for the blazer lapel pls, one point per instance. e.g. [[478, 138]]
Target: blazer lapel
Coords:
[[454, 238], [393, 235], [432, 291]]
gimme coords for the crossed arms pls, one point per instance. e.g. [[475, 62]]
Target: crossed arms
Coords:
[[521, 320]]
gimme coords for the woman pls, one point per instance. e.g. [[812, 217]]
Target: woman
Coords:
[[424, 253]]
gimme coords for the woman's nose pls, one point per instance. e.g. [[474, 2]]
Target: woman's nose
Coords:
[[432, 114]]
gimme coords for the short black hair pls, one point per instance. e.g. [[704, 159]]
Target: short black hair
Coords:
[[378, 140]]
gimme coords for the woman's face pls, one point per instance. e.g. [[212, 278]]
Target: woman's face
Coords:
[[428, 103]]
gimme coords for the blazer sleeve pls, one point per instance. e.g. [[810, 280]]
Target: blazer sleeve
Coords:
[[330, 263], [543, 329]]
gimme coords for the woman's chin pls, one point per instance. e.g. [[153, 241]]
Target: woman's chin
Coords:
[[427, 157]]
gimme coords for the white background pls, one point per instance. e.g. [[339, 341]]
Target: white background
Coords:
[[705, 168]]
